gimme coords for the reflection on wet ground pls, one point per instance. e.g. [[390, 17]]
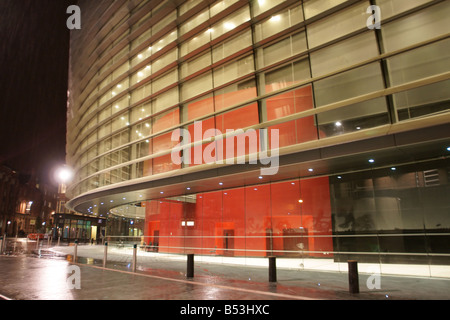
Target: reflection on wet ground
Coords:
[[41, 272]]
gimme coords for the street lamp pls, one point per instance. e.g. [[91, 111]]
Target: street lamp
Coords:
[[64, 174]]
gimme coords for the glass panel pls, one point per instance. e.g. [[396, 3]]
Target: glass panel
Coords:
[[195, 42], [196, 64], [423, 25], [344, 54], [219, 6], [260, 6], [234, 94], [141, 112], [391, 8], [196, 86], [283, 49], [349, 84], [233, 70], [417, 64], [314, 7], [337, 25], [233, 45], [286, 76], [231, 22], [165, 100], [278, 23], [194, 22]]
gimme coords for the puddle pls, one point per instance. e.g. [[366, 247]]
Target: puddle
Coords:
[[49, 254]]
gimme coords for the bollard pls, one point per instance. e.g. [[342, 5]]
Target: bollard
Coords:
[[37, 242], [190, 265], [134, 257], [105, 255], [1, 245], [4, 244], [272, 269], [75, 249], [353, 279]]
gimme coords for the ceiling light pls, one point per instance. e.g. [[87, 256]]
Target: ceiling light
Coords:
[[310, 169], [275, 18], [371, 160], [229, 25]]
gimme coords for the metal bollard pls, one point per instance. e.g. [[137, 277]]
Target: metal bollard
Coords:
[[134, 257], [105, 255], [5, 244], [353, 278], [272, 269], [190, 265], [75, 251]]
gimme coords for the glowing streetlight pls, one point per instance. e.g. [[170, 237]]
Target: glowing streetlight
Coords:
[[64, 174]]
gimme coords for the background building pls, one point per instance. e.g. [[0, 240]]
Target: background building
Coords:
[[362, 113], [26, 206]]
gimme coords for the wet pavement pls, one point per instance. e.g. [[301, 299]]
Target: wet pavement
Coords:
[[50, 274]]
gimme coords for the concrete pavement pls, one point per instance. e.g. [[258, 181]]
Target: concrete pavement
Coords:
[[52, 276]]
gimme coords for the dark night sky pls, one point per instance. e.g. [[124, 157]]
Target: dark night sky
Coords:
[[34, 44]]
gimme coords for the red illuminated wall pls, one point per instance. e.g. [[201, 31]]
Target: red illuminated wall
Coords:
[[250, 221]]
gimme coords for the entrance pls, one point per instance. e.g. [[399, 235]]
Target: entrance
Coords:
[[228, 243], [94, 233]]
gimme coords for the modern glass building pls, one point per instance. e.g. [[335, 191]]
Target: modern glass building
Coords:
[[353, 117]]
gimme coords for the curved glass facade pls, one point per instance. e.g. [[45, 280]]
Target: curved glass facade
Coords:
[[337, 92]]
